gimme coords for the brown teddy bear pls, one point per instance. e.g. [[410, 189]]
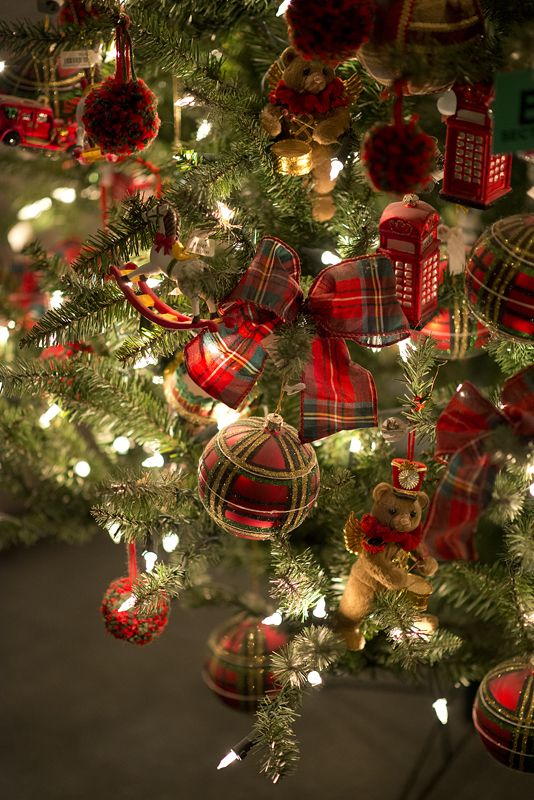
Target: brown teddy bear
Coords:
[[384, 540], [311, 104]]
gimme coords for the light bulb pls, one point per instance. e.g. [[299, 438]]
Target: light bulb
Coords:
[[442, 712], [531, 489], [121, 445], [128, 603], [228, 759], [82, 469], [186, 100], [46, 418], [224, 213], [4, 334], [203, 129], [65, 194], [170, 542], [224, 415], [237, 753], [273, 619], [2, 66], [329, 258], [356, 445], [156, 460], [405, 348], [34, 210], [150, 560], [282, 8], [335, 168], [153, 282], [320, 609], [114, 530], [56, 299], [314, 679], [145, 361]]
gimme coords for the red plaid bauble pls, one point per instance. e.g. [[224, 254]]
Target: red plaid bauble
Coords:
[[456, 332], [423, 29], [130, 625], [499, 277], [503, 713], [256, 479], [399, 158], [329, 31], [238, 665], [121, 117]]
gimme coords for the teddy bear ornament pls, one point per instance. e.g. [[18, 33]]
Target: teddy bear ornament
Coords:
[[387, 543], [308, 112]]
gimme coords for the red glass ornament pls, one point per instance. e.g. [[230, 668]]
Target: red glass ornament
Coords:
[[238, 665], [131, 625], [503, 713], [456, 332]]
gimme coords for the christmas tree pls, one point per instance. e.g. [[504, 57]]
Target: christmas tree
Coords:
[[270, 307]]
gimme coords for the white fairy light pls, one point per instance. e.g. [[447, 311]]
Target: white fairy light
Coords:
[[273, 619], [186, 100], [82, 468], [145, 361], [128, 603], [531, 489], [328, 258], [314, 678], [46, 418], [4, 334], [114, 530], [34, 210], [203, 129], [11, 324], [121, 445], [110, 54], [56, 299], [237, 753], [442, 712], [405, 348], [170, 542], [320, 609], [156, 460], [356, 445], [19, 235], [65, 194], [153, 282], [282, 8], [224, 213], [2, 66], [228, 759], [335, 168], [224, 415], [150, 560], [157, 379]]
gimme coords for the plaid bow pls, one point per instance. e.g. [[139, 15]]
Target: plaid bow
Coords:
[[463, 431], [354, 299]]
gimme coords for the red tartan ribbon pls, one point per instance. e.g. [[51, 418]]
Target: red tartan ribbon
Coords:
[[463, 431], [165, 242], [331, 97], [354, 299]]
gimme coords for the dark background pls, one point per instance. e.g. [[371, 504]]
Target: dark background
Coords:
[[87, 717]]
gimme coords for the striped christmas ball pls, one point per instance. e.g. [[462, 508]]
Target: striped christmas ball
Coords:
[[500, 277], [256, 479], [191, 402], [130, 625], [456, 332], [238, 664], [503, 713]]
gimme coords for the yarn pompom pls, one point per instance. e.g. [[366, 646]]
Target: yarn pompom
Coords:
[[76, 12], [130, 625], [399, 158], [330, 31], [121, 118]]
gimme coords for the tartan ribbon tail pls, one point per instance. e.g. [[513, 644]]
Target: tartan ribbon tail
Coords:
[[458, 502], [339, 394]]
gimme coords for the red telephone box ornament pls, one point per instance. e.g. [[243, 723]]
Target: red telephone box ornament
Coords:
[[473, 176], [409, 237]]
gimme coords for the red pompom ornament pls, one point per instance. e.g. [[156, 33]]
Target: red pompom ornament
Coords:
[[330, 31], [399, 158], [238, 668], [130, 625], [503, 713], [121, 118], [256, 479], [76, 12]]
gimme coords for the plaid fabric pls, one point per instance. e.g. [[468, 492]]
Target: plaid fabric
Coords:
[[462, 432], [272, 282], [357, 299], [339, 394]]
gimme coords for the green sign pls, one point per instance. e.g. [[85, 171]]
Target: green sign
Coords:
[[513, 111]]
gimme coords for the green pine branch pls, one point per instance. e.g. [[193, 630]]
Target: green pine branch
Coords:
[[151, 589], [298, 581]]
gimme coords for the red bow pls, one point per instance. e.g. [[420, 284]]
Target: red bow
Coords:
[[332, 96], [165, 242], [354, 299], [376, 536], [463, 431]]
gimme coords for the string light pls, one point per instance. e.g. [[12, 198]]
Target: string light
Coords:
[[128, 603], [170, 542], [273, 619], [34, 210], [145, 361], [224, 415], [156, 460], [224, 213], [2, 66], [237, 753], [203, 129], [405, 349], [329, 258], [82, 468], [121, 445], [186, 100], [56, 299], [442, 712], [356, 445], [314, 678], [65, 194], [157, 379], [4, 334], [150, 560], [320, 609], [46, 418], [335, 168], [282, 8], [19, 235], [114, 530]]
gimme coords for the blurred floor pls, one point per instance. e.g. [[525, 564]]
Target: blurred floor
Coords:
[[85, 717]]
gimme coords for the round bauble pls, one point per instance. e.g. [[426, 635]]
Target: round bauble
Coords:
[[191, 402], [121, 117], [130, 625], [77, 12], [422, 29], [329, 31], [256, 479], [238, 665], [399, 158], [500, 277], [503, 713], [456, 332]]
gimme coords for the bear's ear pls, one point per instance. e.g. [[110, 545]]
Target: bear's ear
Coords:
[[289, 55], [380, 490], [423, 499]]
